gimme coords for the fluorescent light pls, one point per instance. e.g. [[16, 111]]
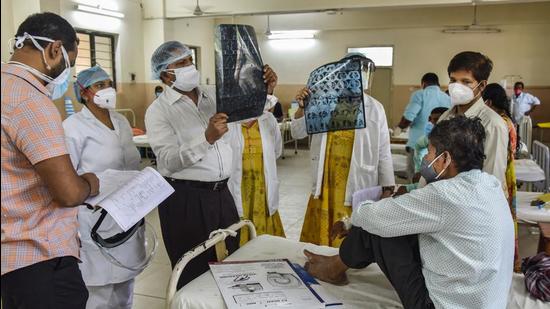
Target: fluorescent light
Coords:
[[292, 45], [291, 35], [100, 11], [471, 29]]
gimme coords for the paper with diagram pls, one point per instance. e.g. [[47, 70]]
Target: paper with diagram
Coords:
[[263, 284], [128, 196]]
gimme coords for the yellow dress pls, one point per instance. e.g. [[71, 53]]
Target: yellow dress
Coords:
[[253, 188], [323, 212]]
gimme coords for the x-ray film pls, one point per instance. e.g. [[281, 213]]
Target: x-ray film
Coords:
[[240, 89], [336, 100]]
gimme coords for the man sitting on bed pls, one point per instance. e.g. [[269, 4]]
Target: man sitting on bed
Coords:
[[447, 245]]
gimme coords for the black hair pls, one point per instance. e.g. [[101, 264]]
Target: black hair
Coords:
[[430, 79], [463, 138], [439, 110], [51, 26], [498, 97], [477, 63], [159, 89], [519, 84]]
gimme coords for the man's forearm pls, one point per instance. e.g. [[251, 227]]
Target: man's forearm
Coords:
[[531, 110], [299, 113], [404, 123], [65, 186]]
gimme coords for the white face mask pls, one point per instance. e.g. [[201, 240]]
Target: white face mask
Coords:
[[187, 78], [461, 94], [106, 98]]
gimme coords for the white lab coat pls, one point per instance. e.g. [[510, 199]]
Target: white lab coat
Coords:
[[371, 161], [94, 147], [271, 147]]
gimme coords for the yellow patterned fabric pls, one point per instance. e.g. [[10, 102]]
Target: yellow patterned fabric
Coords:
[[253, 188], [511, 185], [323, 212]]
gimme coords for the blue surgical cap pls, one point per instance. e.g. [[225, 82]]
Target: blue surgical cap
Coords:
[[167, 53], [87, 78]]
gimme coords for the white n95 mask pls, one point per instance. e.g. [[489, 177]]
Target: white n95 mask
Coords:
[[187, 78], [106, 98], [461, 94]]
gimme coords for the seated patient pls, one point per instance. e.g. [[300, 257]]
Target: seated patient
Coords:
[[447, 245]]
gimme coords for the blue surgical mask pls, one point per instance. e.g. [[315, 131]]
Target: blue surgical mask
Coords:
[[58, 90], [428, 128], [57, 86], [157, 94], [427, 170]]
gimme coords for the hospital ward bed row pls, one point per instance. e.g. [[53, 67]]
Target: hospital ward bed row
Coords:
[[368, 288], [142, 142]]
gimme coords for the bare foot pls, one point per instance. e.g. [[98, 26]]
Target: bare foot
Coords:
[[330, 269]]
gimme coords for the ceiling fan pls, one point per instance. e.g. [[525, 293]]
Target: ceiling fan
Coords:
[[199, 12], [473, 28], [268, 29]]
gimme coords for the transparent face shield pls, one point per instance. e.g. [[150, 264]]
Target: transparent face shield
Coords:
[[367, 70], [132, 250]]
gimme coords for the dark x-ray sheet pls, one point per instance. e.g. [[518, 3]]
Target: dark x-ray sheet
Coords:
[[336, 101], [240, 88]]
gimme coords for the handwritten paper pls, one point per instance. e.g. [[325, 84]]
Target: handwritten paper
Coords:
[[128, 196]]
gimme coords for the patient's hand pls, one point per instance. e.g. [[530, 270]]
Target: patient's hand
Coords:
[[400, 191], [387, 192], [330, 269], [338, 230]]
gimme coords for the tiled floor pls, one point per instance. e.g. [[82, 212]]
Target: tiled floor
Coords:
[[294, 173]]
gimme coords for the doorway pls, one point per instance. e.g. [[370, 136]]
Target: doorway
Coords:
[[381, 89]]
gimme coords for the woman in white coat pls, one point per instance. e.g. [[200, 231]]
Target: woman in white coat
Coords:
[[344, 162], [98, 139], [254, 184]]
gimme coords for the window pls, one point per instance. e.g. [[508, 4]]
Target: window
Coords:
[[194, 54], [96, 48], [381, 55]]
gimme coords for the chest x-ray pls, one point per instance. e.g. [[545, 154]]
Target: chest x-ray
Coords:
[[241, 91], [336, 101]]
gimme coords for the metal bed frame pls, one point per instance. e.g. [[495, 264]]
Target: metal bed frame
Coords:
[[217, 239], [287, 136], [128, 110]]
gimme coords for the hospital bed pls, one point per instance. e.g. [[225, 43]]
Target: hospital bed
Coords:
[[286, 136], [142, 142], [368, 288], [527, 213], [128, 111], [402, 138]]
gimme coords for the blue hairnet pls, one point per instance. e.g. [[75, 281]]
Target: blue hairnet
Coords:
[[167, 53], [87, 78]]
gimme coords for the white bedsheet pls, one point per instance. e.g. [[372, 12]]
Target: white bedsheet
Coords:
[[526, 212], [368, 287], [399, 162], [141, 141], [528, 170]]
